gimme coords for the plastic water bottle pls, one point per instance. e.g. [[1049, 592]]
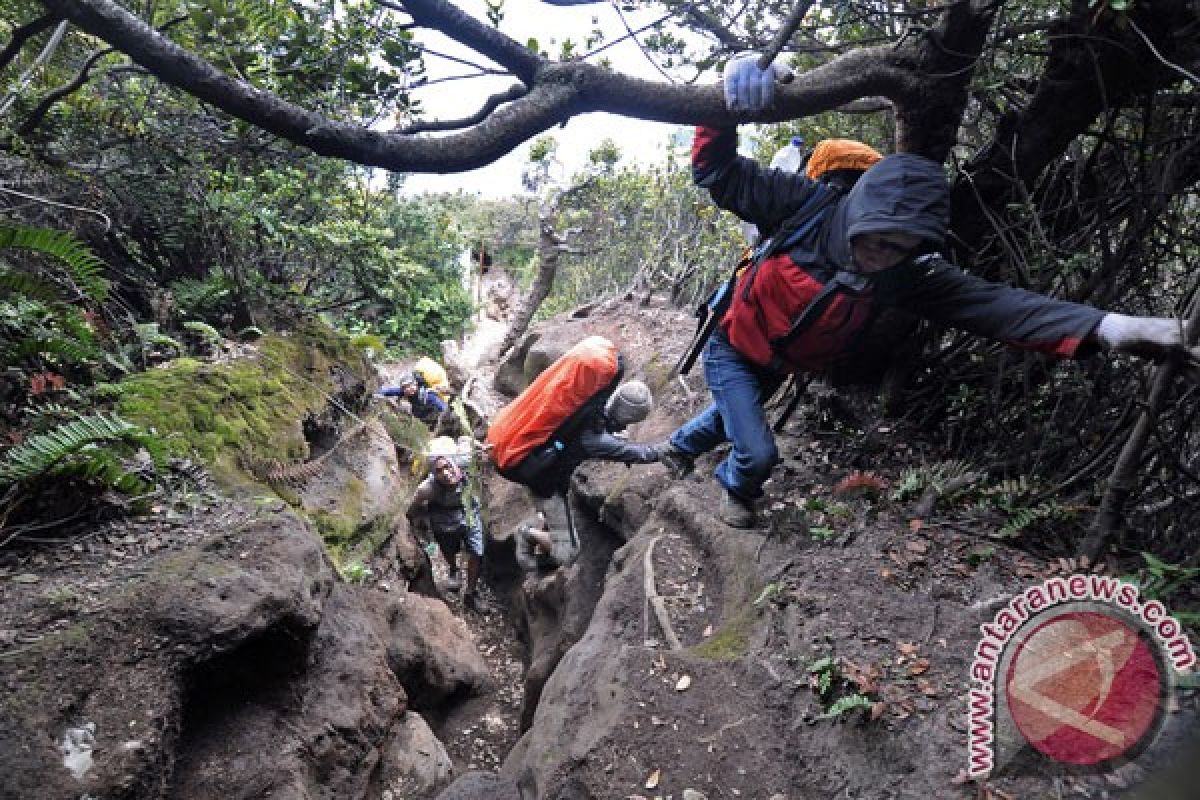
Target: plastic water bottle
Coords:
[[790, 157]]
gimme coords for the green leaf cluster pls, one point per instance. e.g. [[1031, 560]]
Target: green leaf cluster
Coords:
[[90, 447]]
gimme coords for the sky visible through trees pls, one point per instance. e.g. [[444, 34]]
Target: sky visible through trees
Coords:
[[640, 141]]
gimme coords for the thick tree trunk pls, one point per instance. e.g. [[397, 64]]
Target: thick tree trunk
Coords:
[[550, 246]]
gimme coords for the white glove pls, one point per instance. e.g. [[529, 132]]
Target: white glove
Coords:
[[1150, 337], [748, 88]]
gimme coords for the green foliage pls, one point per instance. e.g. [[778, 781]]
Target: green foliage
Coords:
[[155, 341], [85, 269], [1160, 579], [88, 447], [207, 297], [1023, 518], [203, 330], [916, 480], [822, 533], [850, 702], [356, 572], [1011, 497], [640, 229], [833, 689], [43, 318], [826, 671], [769, 591]]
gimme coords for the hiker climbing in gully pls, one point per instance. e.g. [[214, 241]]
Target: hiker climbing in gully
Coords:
[[829, 261], [426, 404], [440, 506], [432, 375], [567, 415]]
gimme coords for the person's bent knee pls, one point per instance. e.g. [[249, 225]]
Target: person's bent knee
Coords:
[[760, 459]]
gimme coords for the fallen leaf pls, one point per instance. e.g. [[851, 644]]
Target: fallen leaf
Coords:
[[916, 546], [920, 666], [915, 525], [878, 709], [652, 781], [907, 648], [681, 686]]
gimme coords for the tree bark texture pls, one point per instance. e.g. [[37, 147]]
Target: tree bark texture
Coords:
[[549, 249]]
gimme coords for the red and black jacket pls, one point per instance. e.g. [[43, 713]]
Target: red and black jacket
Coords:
[[902, 193]]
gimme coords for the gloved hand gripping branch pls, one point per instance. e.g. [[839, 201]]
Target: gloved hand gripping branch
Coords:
[[1156, 338], [749, 88]]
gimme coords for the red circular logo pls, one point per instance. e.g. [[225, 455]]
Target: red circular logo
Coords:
[[1084, 687]]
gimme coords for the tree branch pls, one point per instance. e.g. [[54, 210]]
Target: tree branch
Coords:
[[23, 34], [39, 113], [467, 30], [1095, 63], [558, 92], [514, 92]]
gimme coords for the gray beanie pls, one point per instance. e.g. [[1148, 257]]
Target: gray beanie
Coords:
[[630, 403]]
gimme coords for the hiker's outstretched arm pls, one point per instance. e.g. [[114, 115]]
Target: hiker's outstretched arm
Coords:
[[940, 291], [755, 193], [606, 447]]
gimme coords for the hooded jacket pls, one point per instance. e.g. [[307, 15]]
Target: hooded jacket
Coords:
[[902, 193]]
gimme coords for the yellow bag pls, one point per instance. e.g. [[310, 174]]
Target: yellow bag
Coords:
[[433, 375]]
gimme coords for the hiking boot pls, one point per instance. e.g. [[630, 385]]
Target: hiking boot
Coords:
[[736, 512], [678, 463], [453, 583]]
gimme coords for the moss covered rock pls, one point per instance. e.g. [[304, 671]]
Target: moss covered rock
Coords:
[[254, 409]]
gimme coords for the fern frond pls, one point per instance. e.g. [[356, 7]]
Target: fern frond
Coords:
[[203, 330], [13, 282], [151, 336], [847, 703], [107, 391], [1022, 518], [195, 296], [70, 350], [86, 269], [82, 447]]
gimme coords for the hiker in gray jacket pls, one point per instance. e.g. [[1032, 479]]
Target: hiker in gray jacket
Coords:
[[551, 541], [832, 261], [440, 505]]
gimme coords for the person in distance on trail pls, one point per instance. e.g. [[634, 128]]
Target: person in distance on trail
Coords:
[[440, 506], [426, 404], [552, 541], [802, 306]]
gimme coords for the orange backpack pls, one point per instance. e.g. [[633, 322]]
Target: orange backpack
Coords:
[[584, 375]]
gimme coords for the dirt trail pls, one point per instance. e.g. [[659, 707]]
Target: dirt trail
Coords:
[[479, 732]]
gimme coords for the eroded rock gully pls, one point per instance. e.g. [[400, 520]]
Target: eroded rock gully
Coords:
[[214, 651]]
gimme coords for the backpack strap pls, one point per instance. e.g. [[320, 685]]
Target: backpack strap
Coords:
[[709, 313], [842, 281], [806, 220]]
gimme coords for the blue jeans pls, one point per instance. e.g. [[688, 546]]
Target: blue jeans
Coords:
[[739, 389]]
